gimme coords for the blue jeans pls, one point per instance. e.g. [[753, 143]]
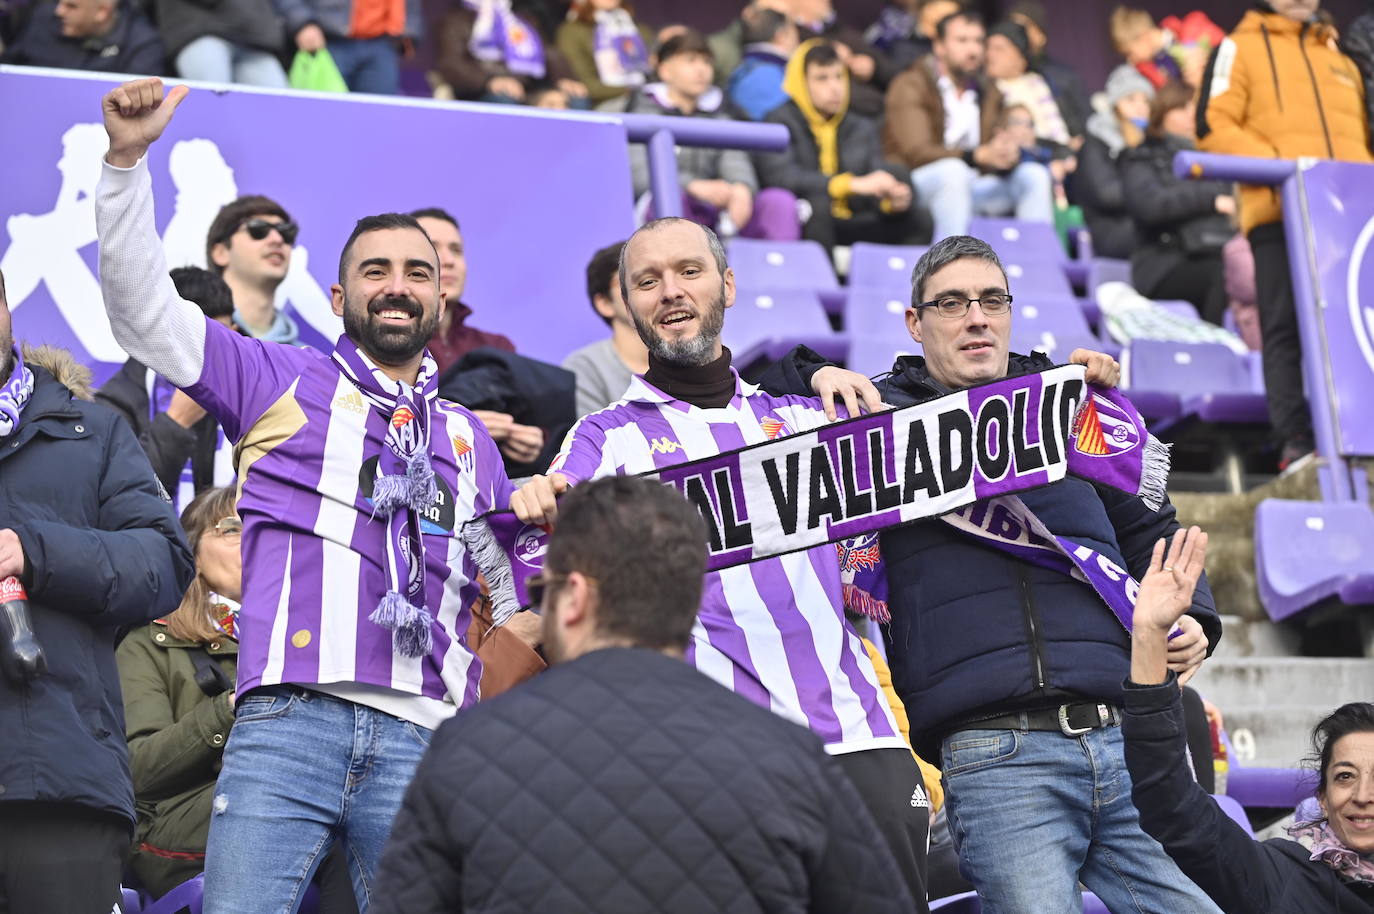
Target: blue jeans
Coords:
[[953, 191], [368, 64], [1033, 813], [215, 60], [301, 770]]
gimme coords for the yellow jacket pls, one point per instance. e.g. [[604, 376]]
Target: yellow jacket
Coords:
[[929, 773], [1279, 88]]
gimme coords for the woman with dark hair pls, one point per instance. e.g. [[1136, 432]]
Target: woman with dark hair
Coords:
[[1183, 224], [1330, 865]]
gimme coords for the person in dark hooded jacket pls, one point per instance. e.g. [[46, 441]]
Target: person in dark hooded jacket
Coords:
[[1098, 178], [91, 536], [1012, 673], [834, 160]]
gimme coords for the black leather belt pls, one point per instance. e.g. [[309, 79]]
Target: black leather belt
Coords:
[[1070, 720]]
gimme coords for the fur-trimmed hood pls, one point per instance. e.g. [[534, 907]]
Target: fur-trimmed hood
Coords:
[[64, 367]]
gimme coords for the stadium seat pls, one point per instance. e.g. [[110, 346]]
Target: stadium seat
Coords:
[[129, 901], [1019, 241], [786, 265], [1269, 788], [876, 312], [1208, 380], [767, 323], [874, 355], [883, 266], [1106, 269], [189, 896], [1234, 811], [1036, 277], [1307, 552], [1052, 325]]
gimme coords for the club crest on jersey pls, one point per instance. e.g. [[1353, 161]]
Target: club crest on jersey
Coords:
[[773, 428], [462, 452], [1103, 429], [664, 445]]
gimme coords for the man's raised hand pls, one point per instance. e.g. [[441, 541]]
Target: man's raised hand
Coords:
[[135, 115]]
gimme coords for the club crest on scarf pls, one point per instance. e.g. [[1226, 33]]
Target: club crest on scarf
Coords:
[[531, 543], [14, 394], [1103, 428]]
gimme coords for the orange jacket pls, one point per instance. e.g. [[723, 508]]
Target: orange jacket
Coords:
[[1278, 88]]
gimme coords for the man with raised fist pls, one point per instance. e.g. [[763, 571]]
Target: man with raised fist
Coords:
[[354, 480]]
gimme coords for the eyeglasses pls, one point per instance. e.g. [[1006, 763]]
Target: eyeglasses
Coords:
[[259, 229], [955, 307], [536, 585], [229, 527]]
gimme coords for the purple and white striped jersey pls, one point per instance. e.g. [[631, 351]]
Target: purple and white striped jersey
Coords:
[[774, 631], [307, 443]]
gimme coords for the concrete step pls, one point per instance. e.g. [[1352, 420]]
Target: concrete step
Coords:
[[1243, 637], [1275, 736]]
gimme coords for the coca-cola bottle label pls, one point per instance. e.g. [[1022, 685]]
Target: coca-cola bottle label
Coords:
[[11, 589]]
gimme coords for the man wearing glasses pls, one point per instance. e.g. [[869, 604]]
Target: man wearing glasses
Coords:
[[1012, 673], [249, 245]]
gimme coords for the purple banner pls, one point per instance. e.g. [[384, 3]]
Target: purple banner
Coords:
[[536, 193], [1340, 214]]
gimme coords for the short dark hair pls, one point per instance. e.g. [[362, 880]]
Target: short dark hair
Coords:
[[943, 253], [645, 547], [821, 54], [231, 216], [970, 16], [206, 289], [601, 272], [381, 223], [688, 41], [434, 212], [712, 244], [1168, 97], [763, 25], [1355, 717]]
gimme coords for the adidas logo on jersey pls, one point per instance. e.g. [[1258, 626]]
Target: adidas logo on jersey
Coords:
[[664, 446], [919, 798], [351, 401]]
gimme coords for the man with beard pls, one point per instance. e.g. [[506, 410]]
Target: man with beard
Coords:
[[354, 479], [774, 631]]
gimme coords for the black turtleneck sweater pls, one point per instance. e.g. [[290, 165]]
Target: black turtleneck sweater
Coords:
[[709, 386]]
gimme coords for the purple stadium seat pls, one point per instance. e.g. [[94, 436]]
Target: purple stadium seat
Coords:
[[1052, 325], [876, 312], [1015, 240], [786, 265], [189, 896], [1093, 905], [1307, 552], [1231, 806], [883, 266], [1106, 269], [129, 902], [1272, 788], [967, 903], [765, 323], [1209, 381], [1036, 277], [874, 355]]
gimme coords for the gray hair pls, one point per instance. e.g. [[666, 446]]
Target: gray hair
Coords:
[[712, 243], [944, 252]]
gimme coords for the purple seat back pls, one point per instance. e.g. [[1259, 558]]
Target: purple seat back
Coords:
[[874, 355], [883, 266], [767, 322], [1209, 380], [781, 265], [1020, 241], [1107, 269], [876, 312], [1234, 810], [1041, 278], [1052, 325], [1307, 552], [187, 896]]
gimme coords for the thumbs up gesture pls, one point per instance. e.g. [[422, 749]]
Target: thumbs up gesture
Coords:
[[135, 115]]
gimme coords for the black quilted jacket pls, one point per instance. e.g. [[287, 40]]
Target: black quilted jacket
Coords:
[[625, 782]]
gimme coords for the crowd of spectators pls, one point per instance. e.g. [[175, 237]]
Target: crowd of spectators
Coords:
[[900, 133]]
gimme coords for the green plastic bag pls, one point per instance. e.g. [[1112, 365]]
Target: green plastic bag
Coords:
[[316, 71]]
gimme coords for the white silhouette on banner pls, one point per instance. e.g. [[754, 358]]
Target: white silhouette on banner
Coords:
[[45, 248]]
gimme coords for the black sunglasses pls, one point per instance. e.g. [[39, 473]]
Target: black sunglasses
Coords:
[[259, 229]]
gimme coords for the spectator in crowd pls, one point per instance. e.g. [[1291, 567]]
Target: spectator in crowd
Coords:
[[688, 798], [177, 675], [88, 532], [1069, 92], [1098, 178], [1277, 87], [489, 51], [1329, 868], [755, 87], [941, 123], [869, 68], [727, 45], [905, 30], [249, 246], [604, 368], [834, 159], [677, 287], [365, 37], [1019, 123], [110, 36], [236, 42], [1163, 54], [1031, 695], [606, 48], [1183, 224], [454, 338], [172, 428], [719, 186], [1008, 65], [352, 644], [1238, 263]]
